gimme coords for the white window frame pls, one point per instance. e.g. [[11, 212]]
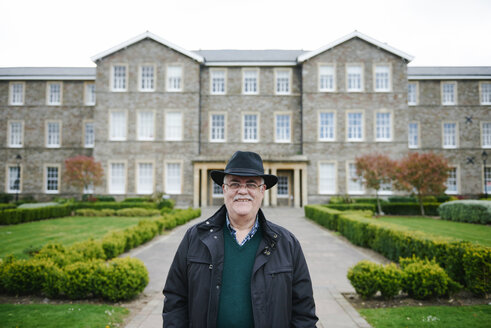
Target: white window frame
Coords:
[[457, 181], [391, 126], [376, 67], [112, 137], [446, 102], [113, 87], [214, 189], [212, 77], [48, 143], [110, 186], [327, 191], [418, 136], [350, 182], [212, 114], [320, 75], [485, 95], [145, 133], [278, 71], [277, 138], [46, 178], [351, 139], [10, 131], [167, 187], [444, 137], [486, 134], [247, 70], [13, 96], [169, 128], [85, 135], [49, 102], [8, 179], [282, 177], [89, 96], [141, 188], [416, 94], [141, 88], [487, 173], [320, 126], [257, 128], [170, 84], [362, 79]]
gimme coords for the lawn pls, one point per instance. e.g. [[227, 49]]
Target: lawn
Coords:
[[475, 233], [14, 239], [429, 316], [61, 316]]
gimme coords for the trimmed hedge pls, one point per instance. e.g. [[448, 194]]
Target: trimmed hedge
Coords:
[[431, 209], [21, 215], [132, 211], [7, 206], [352, 207], [472, 211], [464, 262]]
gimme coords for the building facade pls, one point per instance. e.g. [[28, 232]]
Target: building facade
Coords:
[[159, 118]]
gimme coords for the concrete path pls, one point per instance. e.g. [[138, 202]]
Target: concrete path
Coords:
[[328, 257]]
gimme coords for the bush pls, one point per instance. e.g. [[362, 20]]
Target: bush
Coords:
[[477, 264], [390, 281], [472, 211], [7, 206], [113, 244], [410, 208], [353, 207], [137, 212], [112, 205], [21, 215], [137, 200], [341, 200], [87, 212], [166, 203], [78, 279], [98, 198], [5, 198], [402, 199], [364, 278]]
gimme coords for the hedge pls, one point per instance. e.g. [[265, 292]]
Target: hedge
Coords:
[[355, 206], [4, 207], [389, 208], [464, 262], [473, 211], [21, 215]]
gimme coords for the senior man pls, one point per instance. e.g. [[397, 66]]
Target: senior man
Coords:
[[237, 269]]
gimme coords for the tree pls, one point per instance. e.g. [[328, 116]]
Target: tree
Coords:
[[424, 173], [83, 172], [375, 170]]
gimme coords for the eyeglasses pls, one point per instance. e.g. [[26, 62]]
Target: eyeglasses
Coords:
[[249, 186]]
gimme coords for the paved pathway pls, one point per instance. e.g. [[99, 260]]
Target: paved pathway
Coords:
[[328, 257]]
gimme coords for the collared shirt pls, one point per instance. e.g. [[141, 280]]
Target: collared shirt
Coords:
[[249, 235]]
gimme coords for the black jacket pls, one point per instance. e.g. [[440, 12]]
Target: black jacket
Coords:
[[281, 289]]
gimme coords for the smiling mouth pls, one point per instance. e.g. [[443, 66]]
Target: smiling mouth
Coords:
[[242, 200]]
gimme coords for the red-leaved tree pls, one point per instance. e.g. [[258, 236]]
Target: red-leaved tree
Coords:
[[375, 170], [423, 173], [82, 172]]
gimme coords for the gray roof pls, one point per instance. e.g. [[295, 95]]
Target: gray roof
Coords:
[[47, 73], [234, 57], [449, 73]]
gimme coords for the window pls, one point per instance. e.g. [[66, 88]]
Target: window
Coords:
[[52, 177], [327, 126], [282, 190], [413, 135], [217, 83], [452, 182], [383, 126], [217, 191], [327, 78], [354, 78], [382, 78], [89, 189], [327, 178], [173, 178], [283, 81], [54, 93], [90, 94], [147, 78], [250, 128], [412, 93], [117, 125], [174, 78], [118, 79], [385, 188], [449, 93], [355, 184], [485, 88], [250, 84], [145, 178], [146, 125], [450, 135], [53, 134], [354, 126], [89, 135], [487, 180], [486, 134], [16, 134], [217, 128], [173, 126], [14, 179], [16, 93], [283, 129], [117, 178]]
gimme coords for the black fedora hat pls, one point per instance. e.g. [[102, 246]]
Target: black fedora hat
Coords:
[[245, 164]]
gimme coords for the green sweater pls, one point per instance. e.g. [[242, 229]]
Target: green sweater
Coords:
[[235, 307]]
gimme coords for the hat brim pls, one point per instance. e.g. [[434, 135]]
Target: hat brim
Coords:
[[269, 179]]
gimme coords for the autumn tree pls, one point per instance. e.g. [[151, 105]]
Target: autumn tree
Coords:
[[423, 173], [83, 172], [375, 170]]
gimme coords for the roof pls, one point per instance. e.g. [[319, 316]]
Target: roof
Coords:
[[272, 57], [147, 35], [47, 73], [350, 36], [449, 73]]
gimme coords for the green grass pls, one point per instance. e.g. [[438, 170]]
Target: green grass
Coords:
[[14, 239], [429, 316], [61, 316], [475, 233]]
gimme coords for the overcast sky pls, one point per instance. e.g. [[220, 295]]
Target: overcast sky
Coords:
[[69, 32]]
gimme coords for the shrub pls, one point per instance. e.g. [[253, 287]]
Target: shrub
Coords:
[[107, 212], [390, 280], [20, 215], [351, 207], [5, 198], [473, 211], [87, 212], [364, 278], [113, 244], [341, 200], [477, 264], [410, 208], [137, 200], [370, 200], [166, 203], [137, 212], [78, 279], [402, 199], [98, 198], [7, 206], [112, 205], [89, 250]]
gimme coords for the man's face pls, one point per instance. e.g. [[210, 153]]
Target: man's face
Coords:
[[243, 201]]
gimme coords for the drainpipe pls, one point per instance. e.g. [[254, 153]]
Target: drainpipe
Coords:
[[199, 109], [301, 110]]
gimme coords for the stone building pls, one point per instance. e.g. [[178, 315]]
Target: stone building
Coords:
[[159, 118]]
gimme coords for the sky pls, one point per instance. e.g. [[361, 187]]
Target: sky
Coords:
[[54, 33]]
